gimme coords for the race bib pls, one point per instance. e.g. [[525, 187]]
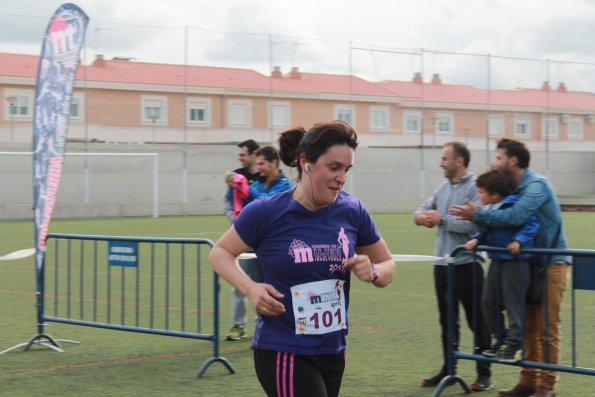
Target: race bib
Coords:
[[319, 307]]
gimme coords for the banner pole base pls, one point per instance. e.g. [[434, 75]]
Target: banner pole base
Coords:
[[41, 339], [449, 380], [211, 360]]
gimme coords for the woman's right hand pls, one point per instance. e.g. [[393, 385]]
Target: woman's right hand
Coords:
[[265, 299]]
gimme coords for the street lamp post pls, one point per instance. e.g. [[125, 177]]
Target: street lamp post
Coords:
[[434, 120], [153, 119], [466, 132], [12, 101]]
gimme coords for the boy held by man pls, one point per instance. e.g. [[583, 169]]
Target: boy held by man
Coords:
[[508, 276]]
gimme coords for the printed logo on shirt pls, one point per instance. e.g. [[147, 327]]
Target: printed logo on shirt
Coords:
[[344, 242], [300, 252], [333, 297], [334, 252]]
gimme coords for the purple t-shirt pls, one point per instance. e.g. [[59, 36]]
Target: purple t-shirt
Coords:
[[298, 247]]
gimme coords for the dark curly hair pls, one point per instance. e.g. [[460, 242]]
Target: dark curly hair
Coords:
[[315, 142], [517, 149], [496, 181]]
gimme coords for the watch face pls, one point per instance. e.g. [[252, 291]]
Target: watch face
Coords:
[[375, 273]]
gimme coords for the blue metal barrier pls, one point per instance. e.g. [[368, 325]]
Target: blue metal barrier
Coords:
[[583, 278], [156, 286]]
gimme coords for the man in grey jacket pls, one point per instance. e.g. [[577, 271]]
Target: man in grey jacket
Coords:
[[458, 188], [543, 322]]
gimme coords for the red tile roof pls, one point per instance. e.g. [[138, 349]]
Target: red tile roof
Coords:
[[118, 71], [329, 83], [16, 65], [464, 94]]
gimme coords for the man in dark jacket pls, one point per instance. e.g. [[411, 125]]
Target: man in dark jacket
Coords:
[[271, 179], [247, 158]]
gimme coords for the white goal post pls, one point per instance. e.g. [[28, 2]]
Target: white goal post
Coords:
[[155, 171]]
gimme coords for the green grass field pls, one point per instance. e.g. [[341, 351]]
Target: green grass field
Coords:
[[393, 341]]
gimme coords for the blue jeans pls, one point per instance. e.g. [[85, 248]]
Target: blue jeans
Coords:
[[506, 289]]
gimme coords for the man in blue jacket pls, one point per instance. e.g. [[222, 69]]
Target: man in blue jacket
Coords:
[[537, 196], [271, 179]]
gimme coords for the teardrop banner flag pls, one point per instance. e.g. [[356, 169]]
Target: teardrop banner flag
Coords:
[[58, 62]]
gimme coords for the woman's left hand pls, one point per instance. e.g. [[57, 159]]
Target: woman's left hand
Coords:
[[361, 266]]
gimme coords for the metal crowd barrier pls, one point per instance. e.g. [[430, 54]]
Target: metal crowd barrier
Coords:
[[583, 278], [159, 286]]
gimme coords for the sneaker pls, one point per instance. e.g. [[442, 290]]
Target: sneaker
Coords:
[[510, 354], [482, 383], [237, 332], [492, 352], [435, 380]]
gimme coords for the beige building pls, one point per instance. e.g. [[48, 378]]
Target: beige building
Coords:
[[120, 100]]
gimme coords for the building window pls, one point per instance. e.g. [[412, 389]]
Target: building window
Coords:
[[575, 128], [495, 125], [280, 114], [240, 113], [550, 127], [197, 115], [198, 111], [77, 106], [345, 113], [18, 105], [522, 127], [412, 121], [444, 123], [154, 109], [379, 117]]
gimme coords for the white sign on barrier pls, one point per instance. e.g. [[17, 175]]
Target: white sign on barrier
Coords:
[[123, 253]]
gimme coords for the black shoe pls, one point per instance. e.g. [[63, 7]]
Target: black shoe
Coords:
[[493, 351], [435, 380], [510, 354]]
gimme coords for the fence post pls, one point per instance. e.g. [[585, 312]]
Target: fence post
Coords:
[[583, 278]]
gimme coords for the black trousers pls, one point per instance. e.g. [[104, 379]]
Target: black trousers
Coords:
[[468, 290], [289, 374]]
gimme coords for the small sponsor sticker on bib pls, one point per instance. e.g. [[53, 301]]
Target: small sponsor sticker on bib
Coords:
[[319, 307]]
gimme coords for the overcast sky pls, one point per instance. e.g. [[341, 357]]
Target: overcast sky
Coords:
[[375, 39]]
